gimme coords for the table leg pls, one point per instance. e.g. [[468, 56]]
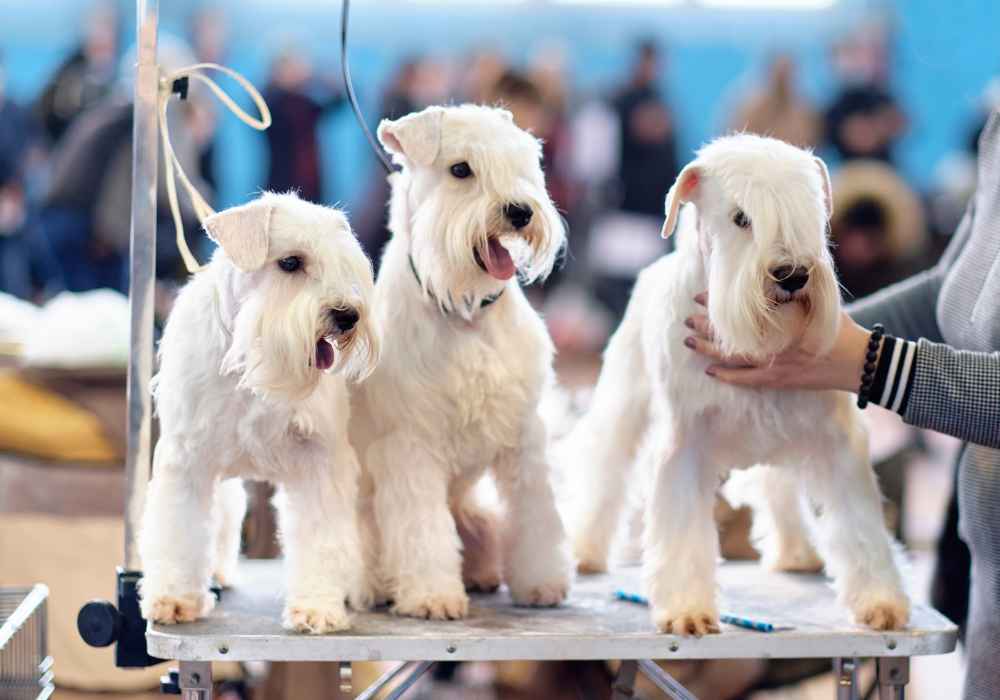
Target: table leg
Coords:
[[664, 681], [624, 685], [414, 670], [196, 680], [893, 675], [845, 674]]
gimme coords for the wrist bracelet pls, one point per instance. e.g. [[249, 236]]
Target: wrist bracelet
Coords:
[[871, 357]]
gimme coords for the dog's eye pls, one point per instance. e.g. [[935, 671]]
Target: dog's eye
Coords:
[[291, 263], [741, 219], [461, 170]]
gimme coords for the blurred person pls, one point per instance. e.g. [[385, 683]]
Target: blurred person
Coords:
[[85, 77], [208, 32], [85, 213], [624, 237], [297, 101], [484, 68], [418, 82], [648, 143], [24, 258], [776, 108], [864, 119], [17, 132], [878, 230]]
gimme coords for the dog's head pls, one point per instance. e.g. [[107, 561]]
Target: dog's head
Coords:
[[762, 211], [300, 290], [473, 193]]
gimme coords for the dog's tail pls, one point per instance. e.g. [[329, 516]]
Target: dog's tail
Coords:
[[597, 457]]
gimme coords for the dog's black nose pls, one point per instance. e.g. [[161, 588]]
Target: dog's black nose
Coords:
[[519, 215], [789, 278], [344, 319]]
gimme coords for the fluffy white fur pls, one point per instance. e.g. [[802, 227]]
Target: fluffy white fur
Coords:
[[241, 393], [458, 388], [654, 403]]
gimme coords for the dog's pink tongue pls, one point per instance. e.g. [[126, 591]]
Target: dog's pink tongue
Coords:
[[324, 354], [498, 261]]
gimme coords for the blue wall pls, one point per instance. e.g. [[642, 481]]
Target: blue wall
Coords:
[[945, 54]]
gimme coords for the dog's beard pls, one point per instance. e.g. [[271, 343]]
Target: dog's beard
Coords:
[[751, 321], [446, 241], [282, 346]]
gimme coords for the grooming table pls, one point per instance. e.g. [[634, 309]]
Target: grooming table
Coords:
[[590, 625]]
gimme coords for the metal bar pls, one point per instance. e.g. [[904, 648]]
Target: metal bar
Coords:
[[845, 674], [196, 680], [664, 681], [142, 269], [893, 675], [624, 685], [414, 669]]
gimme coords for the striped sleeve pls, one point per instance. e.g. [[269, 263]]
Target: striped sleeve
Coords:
[[956, 392], [894, 374]]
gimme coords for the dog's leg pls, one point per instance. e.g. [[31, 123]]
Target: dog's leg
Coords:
[[230, 507], [421, 550], [682, 544], [781, 532], [177, 539], [319, 534], [851, 532], [375, 579], [601, 452], [537, 565], [479, 529]]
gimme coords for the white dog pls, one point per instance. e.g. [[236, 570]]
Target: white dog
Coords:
[[756, 241], [253, 365], [466, 360]]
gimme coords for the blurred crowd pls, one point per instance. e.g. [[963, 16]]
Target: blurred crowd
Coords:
[[65, 159]]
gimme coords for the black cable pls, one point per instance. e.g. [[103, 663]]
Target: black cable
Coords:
[[349, 87]]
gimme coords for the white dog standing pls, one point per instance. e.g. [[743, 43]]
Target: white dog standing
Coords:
[[466, 359], [756, 241], [252, 383]]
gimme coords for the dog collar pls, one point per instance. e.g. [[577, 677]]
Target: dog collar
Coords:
[[487, 301]]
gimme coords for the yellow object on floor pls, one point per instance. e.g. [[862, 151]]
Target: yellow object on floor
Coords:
[[38, 422]]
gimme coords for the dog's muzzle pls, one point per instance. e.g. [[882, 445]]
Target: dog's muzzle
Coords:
[[790, 278], [341, 322]]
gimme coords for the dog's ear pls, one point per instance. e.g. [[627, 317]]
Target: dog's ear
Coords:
[[416, 137], [824, 175], [680, 193], [242, 232]]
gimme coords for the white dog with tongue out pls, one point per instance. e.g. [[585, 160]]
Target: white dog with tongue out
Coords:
[[465, 361], [252, 383]]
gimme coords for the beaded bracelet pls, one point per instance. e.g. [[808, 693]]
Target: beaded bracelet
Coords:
[[868, 377]]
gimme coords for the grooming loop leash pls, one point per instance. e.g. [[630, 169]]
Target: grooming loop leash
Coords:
[[345, 11], [177, 83]]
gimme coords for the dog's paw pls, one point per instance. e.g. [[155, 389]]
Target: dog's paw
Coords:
[[433, 606], [589, 560], [686, 623], [172, 609], [543, 596], [882, 612], [315, 617], [797, 557], [225, 577], [481, 581]]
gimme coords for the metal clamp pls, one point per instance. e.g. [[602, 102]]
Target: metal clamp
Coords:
[[893, 675], [196, 680]]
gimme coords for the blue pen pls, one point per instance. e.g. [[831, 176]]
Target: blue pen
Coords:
[[743, 622]]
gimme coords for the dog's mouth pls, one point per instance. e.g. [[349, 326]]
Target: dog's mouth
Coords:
[[496, 260], [325, 353]]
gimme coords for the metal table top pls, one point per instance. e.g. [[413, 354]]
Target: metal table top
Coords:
[[590, 625]]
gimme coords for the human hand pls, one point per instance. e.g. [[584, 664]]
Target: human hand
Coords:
[[793, 368]]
